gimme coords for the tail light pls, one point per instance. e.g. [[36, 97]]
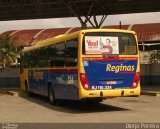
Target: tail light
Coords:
[[136, 80], [84, 81]]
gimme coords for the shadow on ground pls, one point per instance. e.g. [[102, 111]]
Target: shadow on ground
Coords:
[[74, 107]]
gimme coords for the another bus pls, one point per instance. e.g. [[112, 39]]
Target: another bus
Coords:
[[91, 64]]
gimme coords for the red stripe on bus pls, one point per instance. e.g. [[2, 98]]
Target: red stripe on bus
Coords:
[[63, 70], [110, 58], [127, 72]]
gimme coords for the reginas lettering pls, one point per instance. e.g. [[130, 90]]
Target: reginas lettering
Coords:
[[38, 75], [120, 68]]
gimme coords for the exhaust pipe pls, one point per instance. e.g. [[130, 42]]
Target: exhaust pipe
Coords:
[[101, 94], [122, 92]]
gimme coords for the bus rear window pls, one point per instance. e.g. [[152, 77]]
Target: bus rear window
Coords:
[[109, 43]]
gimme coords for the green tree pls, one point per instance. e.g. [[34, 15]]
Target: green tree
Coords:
[[8, 52], [155, 57]]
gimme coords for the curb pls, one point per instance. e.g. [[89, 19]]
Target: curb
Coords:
[[17, 93], [3, 92], [13, 93], [150, 93]]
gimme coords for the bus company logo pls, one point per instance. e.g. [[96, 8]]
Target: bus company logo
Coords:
[[120, 68], [70, 79], [38, 75]]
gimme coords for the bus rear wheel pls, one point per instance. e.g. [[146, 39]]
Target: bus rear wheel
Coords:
[[51, 96], [30, 94]]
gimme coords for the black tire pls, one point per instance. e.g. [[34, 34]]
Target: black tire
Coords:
[[30, 94], [26, 85], [51, 96]]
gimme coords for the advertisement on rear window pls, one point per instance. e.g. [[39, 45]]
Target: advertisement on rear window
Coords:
[[101, 45]]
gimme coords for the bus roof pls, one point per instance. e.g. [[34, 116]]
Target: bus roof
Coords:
[[61, 38]]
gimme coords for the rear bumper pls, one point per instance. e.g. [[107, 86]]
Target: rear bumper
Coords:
[[109, 93]]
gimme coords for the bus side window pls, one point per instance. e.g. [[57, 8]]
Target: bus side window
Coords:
[[32, 59], [42, 57], [127, 44], [51, 56], [71, 52], [60, 53]]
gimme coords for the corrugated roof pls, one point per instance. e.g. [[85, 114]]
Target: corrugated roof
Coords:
[[48, 33], [145, 32], [125, 27]]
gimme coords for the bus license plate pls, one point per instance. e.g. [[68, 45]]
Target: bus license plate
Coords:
[[111, 82]]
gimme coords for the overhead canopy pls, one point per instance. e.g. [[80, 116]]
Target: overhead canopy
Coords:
[[35, 9], [147, 34]]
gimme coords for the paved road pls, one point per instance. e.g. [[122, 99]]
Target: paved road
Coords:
[[38, 110]]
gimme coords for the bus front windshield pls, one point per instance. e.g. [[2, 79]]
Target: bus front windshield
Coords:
[[109, 43]]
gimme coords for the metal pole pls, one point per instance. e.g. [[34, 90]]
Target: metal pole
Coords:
[[120, 25]]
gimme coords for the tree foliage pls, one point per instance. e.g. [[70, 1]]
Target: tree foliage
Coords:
[[8, 52], [155, 57]]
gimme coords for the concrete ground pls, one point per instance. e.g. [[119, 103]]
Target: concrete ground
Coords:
[[153, 90], [24, 109]]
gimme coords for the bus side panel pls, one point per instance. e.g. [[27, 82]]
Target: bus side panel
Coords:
[[38, 80], [65, 84]]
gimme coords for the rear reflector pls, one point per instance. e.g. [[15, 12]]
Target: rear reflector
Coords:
[[84, 81], [136, 80]]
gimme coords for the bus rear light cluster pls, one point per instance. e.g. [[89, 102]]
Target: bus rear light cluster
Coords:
[[84, 81], [136, 80]]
